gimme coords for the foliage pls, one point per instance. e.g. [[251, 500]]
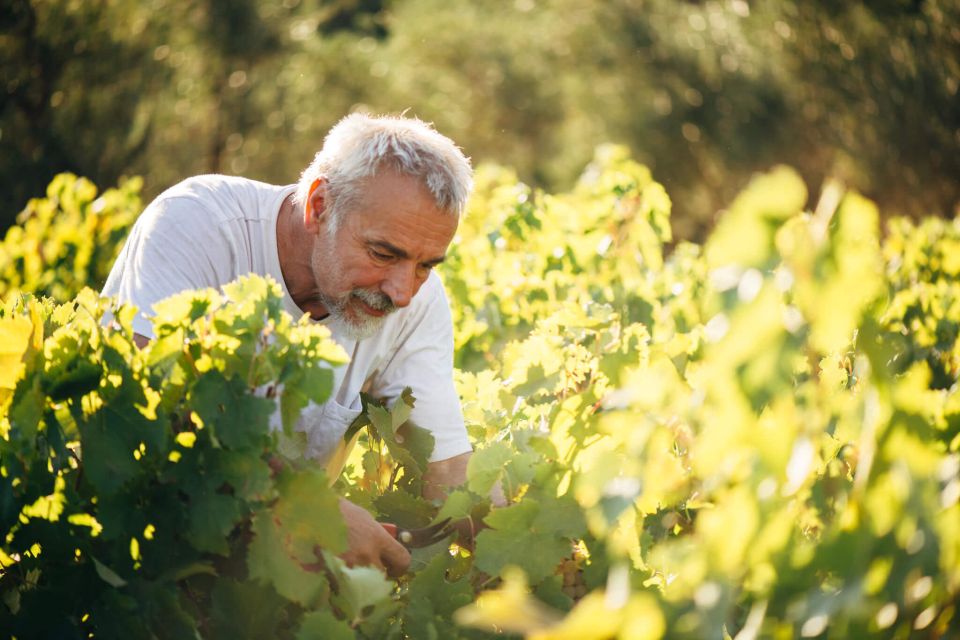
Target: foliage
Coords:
[[756, 437], [923, 268], [705, 93], [68, 240], [761, 435], [137, 495]]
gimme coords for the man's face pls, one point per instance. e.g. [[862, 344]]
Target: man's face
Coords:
[[382, 252]]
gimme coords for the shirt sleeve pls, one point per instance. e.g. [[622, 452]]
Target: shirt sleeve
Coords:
[[424, 362], [174, 246]]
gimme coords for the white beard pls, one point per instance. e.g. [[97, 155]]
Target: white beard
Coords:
[[356, 325]]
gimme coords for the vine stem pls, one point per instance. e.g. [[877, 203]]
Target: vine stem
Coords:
[[393, 477], [189, 357]]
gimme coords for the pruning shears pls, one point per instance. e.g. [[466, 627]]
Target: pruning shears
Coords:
[[426, 536]]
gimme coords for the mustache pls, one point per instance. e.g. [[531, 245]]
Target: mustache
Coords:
[[376, 299]]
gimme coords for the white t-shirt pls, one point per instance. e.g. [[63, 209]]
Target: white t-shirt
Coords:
[[209, 230]]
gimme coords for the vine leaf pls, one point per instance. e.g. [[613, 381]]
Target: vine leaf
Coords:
[[269, 561], [309, 514], [108, 575], [323, 624]]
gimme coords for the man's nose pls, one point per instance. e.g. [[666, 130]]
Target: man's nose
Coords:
[[401, 284]]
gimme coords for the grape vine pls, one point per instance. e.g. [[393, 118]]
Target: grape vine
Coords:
[[758, 436]]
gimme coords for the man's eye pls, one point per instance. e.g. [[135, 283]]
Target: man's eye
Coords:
[[381, 256]]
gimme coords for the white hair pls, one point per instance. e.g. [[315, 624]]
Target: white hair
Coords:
[[359, 146]]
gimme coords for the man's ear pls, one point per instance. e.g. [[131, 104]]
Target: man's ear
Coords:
[[315, 208]]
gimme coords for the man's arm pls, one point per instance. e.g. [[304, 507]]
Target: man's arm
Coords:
[[452, 472], [444, 474]]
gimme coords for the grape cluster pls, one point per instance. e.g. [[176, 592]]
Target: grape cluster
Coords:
[[571, 570]]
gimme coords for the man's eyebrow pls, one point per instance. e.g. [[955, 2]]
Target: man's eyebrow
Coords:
[[400, 253]]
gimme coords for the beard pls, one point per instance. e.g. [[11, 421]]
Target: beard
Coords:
[[345, 308], [358, 324]]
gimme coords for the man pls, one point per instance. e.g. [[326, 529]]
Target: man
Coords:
[[354, 244]]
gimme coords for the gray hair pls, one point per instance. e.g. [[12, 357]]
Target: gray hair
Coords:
[[359, 146]]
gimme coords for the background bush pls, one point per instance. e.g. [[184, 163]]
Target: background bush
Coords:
[[704, 93]]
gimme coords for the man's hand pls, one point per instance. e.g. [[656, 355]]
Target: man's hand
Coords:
[[368, 543]]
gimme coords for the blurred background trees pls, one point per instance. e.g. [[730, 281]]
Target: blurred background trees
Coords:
[[704, 92]]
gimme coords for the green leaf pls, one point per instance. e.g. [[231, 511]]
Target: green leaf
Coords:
[[417, 442], [292, 402], [107, 451], [521, 469], [108, 575], [26, 411], [537, 383], [309, 514], [403, 508], [322, 625], [431, 598], [176, 574], [431, 584], [242, 610], [9, 504], [550, 591], [239, 419], [211, 519], [458, 505], [401, 409], [124, 416], [269, 561], [360, 587], [161, 605], [561, 516], [253, 298], [77, 378], [182, 308], [530, 535], [248, 476], [537, 554], [744, 235], [309, 384], [486, 466], [116, 514], [162, 350], [407, 443], [293, 446], [14, 339]]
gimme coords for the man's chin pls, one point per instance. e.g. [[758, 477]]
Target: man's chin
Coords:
[[359, 325], [362, 330]]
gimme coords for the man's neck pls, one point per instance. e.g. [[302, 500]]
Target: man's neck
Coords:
[[294, 248], [286, 246]]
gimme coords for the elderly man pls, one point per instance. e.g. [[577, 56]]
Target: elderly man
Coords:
[[354, 245]]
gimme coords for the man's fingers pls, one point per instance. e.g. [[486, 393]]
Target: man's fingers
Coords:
[[362, 560], [395, 557], [368, 543]]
